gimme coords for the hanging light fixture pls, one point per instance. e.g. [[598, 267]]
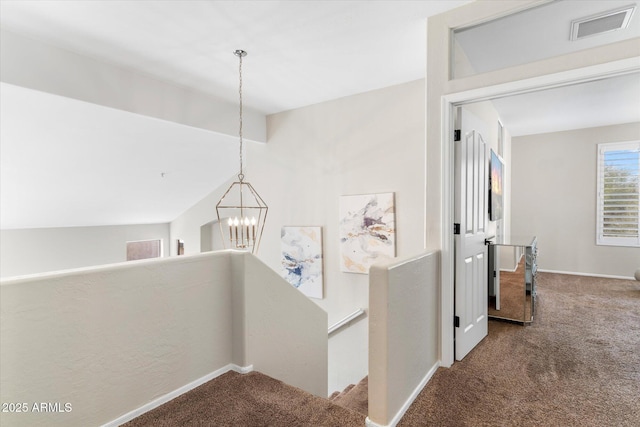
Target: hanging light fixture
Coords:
[[241, 211]]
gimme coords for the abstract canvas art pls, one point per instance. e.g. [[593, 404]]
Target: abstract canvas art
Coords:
[[302, 259], [367, 231]]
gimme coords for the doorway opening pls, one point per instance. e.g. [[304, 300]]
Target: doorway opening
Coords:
[[449, 103]]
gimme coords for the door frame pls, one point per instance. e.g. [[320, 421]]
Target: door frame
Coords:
[[453, 100]]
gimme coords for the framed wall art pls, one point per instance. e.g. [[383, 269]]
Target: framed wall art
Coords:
[[367, 231], [302, 259]]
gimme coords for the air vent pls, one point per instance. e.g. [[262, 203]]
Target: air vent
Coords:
[[601, 23]]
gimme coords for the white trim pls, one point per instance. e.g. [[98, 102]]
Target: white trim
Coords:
[[449, 101], [241, 369], [548, 81], [177, 392], [447, 308], [369, 423], [574, 273], [339, 324], [414, 395]]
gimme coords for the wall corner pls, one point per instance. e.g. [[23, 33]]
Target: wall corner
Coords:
[[238, 309]]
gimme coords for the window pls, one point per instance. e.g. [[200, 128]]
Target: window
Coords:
[[619, 194], [144, 249]]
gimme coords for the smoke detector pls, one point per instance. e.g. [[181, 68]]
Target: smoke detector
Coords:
[[601, 23]]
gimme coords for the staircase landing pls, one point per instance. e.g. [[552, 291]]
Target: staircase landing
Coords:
[[252, 399]]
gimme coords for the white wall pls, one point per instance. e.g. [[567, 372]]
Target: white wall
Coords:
[[284, 331], [554, 198], [110, 339], [404, 333], [38, 250], [367, 143], [113, 339]]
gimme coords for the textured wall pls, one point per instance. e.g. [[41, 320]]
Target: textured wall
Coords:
[[403, 333], [109, 340], [286, 333]]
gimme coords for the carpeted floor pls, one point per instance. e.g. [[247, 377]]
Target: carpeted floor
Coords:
[[251, 399], [578, 364]]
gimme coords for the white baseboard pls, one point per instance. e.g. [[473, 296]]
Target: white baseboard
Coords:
[[241, 369], [573, 273], [369, 423], [414, 395], [175, 393]]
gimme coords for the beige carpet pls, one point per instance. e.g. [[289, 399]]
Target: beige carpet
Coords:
[[251, 399], [578, 364], [354, 397]]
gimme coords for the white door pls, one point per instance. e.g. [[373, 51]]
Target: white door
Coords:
[[470, 211]]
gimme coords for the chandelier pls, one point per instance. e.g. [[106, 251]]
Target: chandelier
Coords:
[[241, 211]]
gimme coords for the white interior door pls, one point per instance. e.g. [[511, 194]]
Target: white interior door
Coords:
[[470, 211]]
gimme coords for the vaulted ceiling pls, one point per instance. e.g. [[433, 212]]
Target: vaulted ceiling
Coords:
[[69, 162]]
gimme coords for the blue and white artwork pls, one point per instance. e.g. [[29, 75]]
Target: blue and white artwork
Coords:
[[302, 259], [367, 231]]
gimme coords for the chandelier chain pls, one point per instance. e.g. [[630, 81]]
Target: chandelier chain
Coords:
[[241, 174]]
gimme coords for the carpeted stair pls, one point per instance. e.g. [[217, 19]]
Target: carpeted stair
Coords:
[[252, 399], [354, 397]]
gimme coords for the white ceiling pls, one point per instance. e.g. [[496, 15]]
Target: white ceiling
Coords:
[[300, 52], [605, 102], [70, 163], [94, 165]]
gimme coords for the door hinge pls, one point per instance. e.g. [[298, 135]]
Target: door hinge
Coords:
[[456, 321], [456, 228], [457, 135]]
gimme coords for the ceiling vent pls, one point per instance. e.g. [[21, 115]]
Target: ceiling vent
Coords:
[[602, 23]]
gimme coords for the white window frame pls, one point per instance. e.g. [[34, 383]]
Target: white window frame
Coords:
[[601, 239]]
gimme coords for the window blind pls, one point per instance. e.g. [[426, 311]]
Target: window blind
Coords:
[[619, 194]]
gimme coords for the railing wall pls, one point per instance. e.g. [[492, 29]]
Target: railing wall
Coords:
[[403, 334], [96, 345]]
